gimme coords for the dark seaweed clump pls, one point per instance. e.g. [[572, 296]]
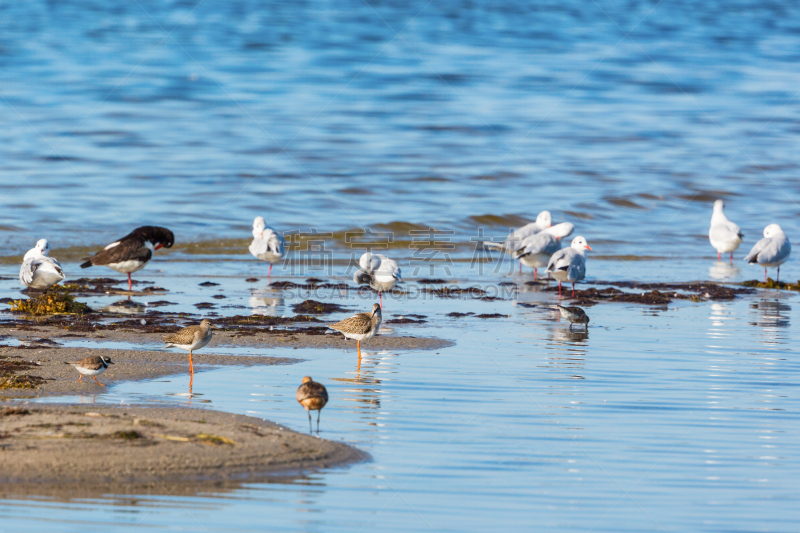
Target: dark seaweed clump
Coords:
[[655, 293], [405, 320], [772, 284], [313, 307], [455, 292]]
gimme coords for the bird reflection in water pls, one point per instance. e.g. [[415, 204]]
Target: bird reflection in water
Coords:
[[771, 315], [568, 351], [126, 307], [365, 391], [265, 303], [723, 271]]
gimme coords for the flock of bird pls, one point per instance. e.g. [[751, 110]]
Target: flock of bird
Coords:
[[535, 245]]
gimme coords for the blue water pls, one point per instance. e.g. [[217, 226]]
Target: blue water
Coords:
[[627, 119]]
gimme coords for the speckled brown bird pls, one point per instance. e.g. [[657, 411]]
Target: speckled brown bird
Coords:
[[91, 366], [575, 315], [360, 327], [190, 338], [313, 396]]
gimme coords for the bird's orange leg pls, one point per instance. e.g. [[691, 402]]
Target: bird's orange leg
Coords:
[[95, 378], [80, 379], [380, 299], [269, 273], [573, 289], [358, 347], [130, 283], [191, 363]]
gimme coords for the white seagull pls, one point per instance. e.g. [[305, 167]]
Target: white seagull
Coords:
[[543, 221], [771, 251], [724, 235], [39, 271], [379, 271], [267, 245], [569, 264], [535, 250]]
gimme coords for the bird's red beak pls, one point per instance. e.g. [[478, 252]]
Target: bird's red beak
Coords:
[[159, 245], [589, 248]]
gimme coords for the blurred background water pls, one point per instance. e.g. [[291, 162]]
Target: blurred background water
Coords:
[[626, 118]]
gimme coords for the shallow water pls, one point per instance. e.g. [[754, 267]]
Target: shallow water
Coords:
[[680, 417], [628, 120]]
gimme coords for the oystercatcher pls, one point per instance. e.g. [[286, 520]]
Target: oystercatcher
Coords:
[[133, 251]]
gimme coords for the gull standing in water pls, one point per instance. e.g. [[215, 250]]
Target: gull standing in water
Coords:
[[724, 235], [569, 264], [132, 252], [771, 251], [380, 272], [39, 271], [543, 221], [267, 245], [535, 250]]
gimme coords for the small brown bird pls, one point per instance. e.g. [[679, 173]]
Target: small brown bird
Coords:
[[91, 366], [313, 396], [190, 338], [575, 315], [360, 327]]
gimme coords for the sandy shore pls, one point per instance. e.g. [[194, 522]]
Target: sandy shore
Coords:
[[82, 450], [46, 350]]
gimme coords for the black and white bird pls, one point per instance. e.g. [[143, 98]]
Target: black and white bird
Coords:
[[39, 271], [91, 366], [132, 252], [268, 245]]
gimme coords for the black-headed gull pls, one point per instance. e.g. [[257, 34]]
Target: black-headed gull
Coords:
[[724, 235], [132, 252], [771, 251], [543, 221], [379, 271], [535, 250], [39, 271], [569, 264], [267, 244]]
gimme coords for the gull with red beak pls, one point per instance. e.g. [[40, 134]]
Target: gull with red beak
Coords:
[[267, 245], [132, 252], [569, 264]]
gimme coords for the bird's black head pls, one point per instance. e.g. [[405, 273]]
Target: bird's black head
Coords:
[[157, 235]]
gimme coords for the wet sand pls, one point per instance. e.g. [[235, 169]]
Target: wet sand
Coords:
[[47, 354], [81, 450], [66, 451]]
